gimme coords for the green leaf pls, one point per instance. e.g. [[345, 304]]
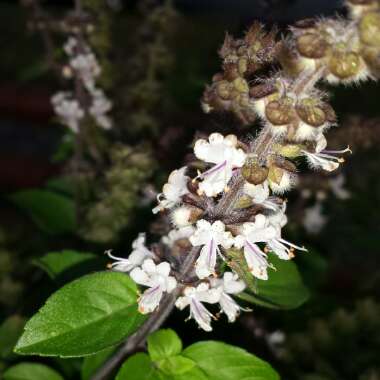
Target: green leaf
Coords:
[[55, 263], [201, 361], [31, 371], [138, 367], [222, 361], [313, 268], [54, 213], [62, 185], [163, 344], [66, 147], [84, 317], [10, 331], [175, 365], [92, 363], [284, 287]]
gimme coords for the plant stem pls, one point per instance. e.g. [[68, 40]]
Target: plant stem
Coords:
[[153, 323], [38, 14]]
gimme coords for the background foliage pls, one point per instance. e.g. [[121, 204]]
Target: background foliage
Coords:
[[316, 319]]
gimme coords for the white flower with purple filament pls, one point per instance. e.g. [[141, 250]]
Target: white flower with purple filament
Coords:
[[251, 234], [230, 284], [260, 195], [222, 152], [139, 253], [323, 158], [282, 248], [158, 280], [209, 236], [194, 298], [173, 190]]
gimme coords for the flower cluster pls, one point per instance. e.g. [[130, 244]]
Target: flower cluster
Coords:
[[82, 65], [229, 213]]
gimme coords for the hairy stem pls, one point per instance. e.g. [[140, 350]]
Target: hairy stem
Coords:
[[38, 14], [153, 323]]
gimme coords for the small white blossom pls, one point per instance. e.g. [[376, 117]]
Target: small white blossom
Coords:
[[230, 284], [222, 152], [98, 109], [68, 110], [173, 190], [70, 46], [158, 281], [278, 219], [260, 194], [178, 234], [210, 236], [314, 220], [139, 253], [281, 247], [324, 159], [87, 68], [252, 233], [193, 297], [337, 187]]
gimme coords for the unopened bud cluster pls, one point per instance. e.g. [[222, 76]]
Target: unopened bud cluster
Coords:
[[230, 212]]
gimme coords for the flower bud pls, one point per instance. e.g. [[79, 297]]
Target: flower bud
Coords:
[[242, 65], [358, 8], [312, 45], [262, 94], [279, 112], [223, 89], [310, 112], [345, 65], [243, 202], [279, 179], [369, 29], [241, 85], [290, 150], [371, 55], [254, 173]]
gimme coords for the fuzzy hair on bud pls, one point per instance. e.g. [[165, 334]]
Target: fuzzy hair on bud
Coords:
[[185, 215]]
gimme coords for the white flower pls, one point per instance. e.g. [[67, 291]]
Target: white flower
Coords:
[[173, 190], [210, 236], [314, 220], [260, 194], [193, 297], [337, 187], [157, 279], [67, 109], [251, 234], [175, 235], [230, 284], [139, 253], [99, 107], [281, 247], [324, 159], [87, 68], [284, 249], [70, 46], [278, 219], [222, 152]]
